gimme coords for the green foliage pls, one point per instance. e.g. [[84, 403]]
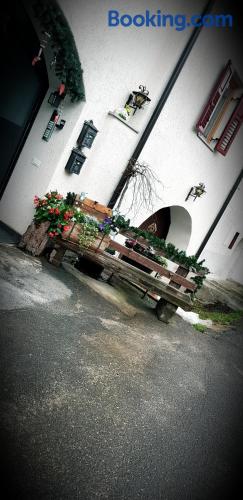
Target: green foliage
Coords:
[[70, 198], [223, 318], [53, 208], [198, 280], [120, 222], [88, 234], [115, 223], [173, 253], [110, 251], [68, 68], [160, 260], [199, 327]]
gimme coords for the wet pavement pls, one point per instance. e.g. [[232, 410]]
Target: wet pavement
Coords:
[[99, 405]]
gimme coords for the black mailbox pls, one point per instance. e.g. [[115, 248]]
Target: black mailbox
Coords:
[[87, 135], [75, 162]]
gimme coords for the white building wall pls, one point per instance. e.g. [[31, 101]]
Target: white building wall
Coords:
[[115, 62], [179, 158], [222, 261]]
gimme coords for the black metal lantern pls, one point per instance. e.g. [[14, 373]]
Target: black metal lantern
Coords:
[[56, 98], [196, 191], [138, 98], [75, 162], [87, 135]]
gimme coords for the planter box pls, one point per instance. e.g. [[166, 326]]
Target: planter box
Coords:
[[91, 207], [101, 242]]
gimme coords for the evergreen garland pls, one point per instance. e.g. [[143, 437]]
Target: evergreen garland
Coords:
[[67, 67], [171, 252]]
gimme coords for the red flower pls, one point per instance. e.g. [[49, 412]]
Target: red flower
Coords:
[[60, 226], [67, 215], [66, 228], [51, 211], [43, 202], [59, 196], [51, 234], [36, 200], [57, 211]]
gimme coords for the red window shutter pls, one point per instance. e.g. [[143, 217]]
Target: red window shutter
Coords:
[[231, 129], [218, 90]]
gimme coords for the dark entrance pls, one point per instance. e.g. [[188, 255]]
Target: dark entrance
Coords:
[[158, 223], [22, 86]]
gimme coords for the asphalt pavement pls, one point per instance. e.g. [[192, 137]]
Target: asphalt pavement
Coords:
[[99, 405]]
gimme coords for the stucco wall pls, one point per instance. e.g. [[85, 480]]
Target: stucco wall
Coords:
[[222, 261], [115, 62]]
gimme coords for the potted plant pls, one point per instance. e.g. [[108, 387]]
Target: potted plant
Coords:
[[87, 231], [48, 222]]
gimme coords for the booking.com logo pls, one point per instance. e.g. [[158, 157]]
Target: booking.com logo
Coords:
[[178, 21]]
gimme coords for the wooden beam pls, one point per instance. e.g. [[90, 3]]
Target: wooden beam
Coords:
[[152, 265]]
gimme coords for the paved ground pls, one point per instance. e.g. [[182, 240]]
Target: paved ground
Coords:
[[99, 405]]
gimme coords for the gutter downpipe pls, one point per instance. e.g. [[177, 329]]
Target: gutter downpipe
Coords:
[[156, 113], [220, 213]]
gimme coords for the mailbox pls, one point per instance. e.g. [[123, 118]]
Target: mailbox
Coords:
[[75, 162], [87, 135]]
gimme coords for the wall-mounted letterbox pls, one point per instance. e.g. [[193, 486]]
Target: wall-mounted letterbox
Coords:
[[87, 135], [75, 162]]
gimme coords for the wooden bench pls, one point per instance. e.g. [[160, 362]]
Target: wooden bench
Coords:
[[171, 298]]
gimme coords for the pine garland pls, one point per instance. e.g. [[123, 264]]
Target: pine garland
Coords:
[[67, 67], [170, 251]]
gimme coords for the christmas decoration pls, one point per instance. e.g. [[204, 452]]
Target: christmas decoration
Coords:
[[65, 60], [43, 44]]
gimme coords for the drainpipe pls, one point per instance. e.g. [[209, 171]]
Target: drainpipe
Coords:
[[221, 211], [156, 113]]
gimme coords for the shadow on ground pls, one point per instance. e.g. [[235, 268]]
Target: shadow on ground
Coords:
[[96, 404]]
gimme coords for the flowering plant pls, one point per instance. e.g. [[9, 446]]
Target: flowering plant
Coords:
[[53, 208], [61, 214]]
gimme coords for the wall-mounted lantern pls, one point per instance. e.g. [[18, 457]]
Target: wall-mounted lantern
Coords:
[[196, 191], [75, 162], [138, 98], [87, 135], [56, 98]]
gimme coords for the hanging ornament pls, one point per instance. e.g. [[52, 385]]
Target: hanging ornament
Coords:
[[61, 88], [53, 61], [44, 41], [56, 98]]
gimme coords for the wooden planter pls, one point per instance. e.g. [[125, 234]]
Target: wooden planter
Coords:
[[35, 238], [101, 242]]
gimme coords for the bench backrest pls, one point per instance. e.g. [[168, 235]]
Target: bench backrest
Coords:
[[94, 208]]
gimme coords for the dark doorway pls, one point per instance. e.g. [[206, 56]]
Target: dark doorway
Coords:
[[158, 223], [22, 86]]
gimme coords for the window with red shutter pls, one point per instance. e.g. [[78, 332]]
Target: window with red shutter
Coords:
[[217, 93], [219, 121], [231, 130]]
